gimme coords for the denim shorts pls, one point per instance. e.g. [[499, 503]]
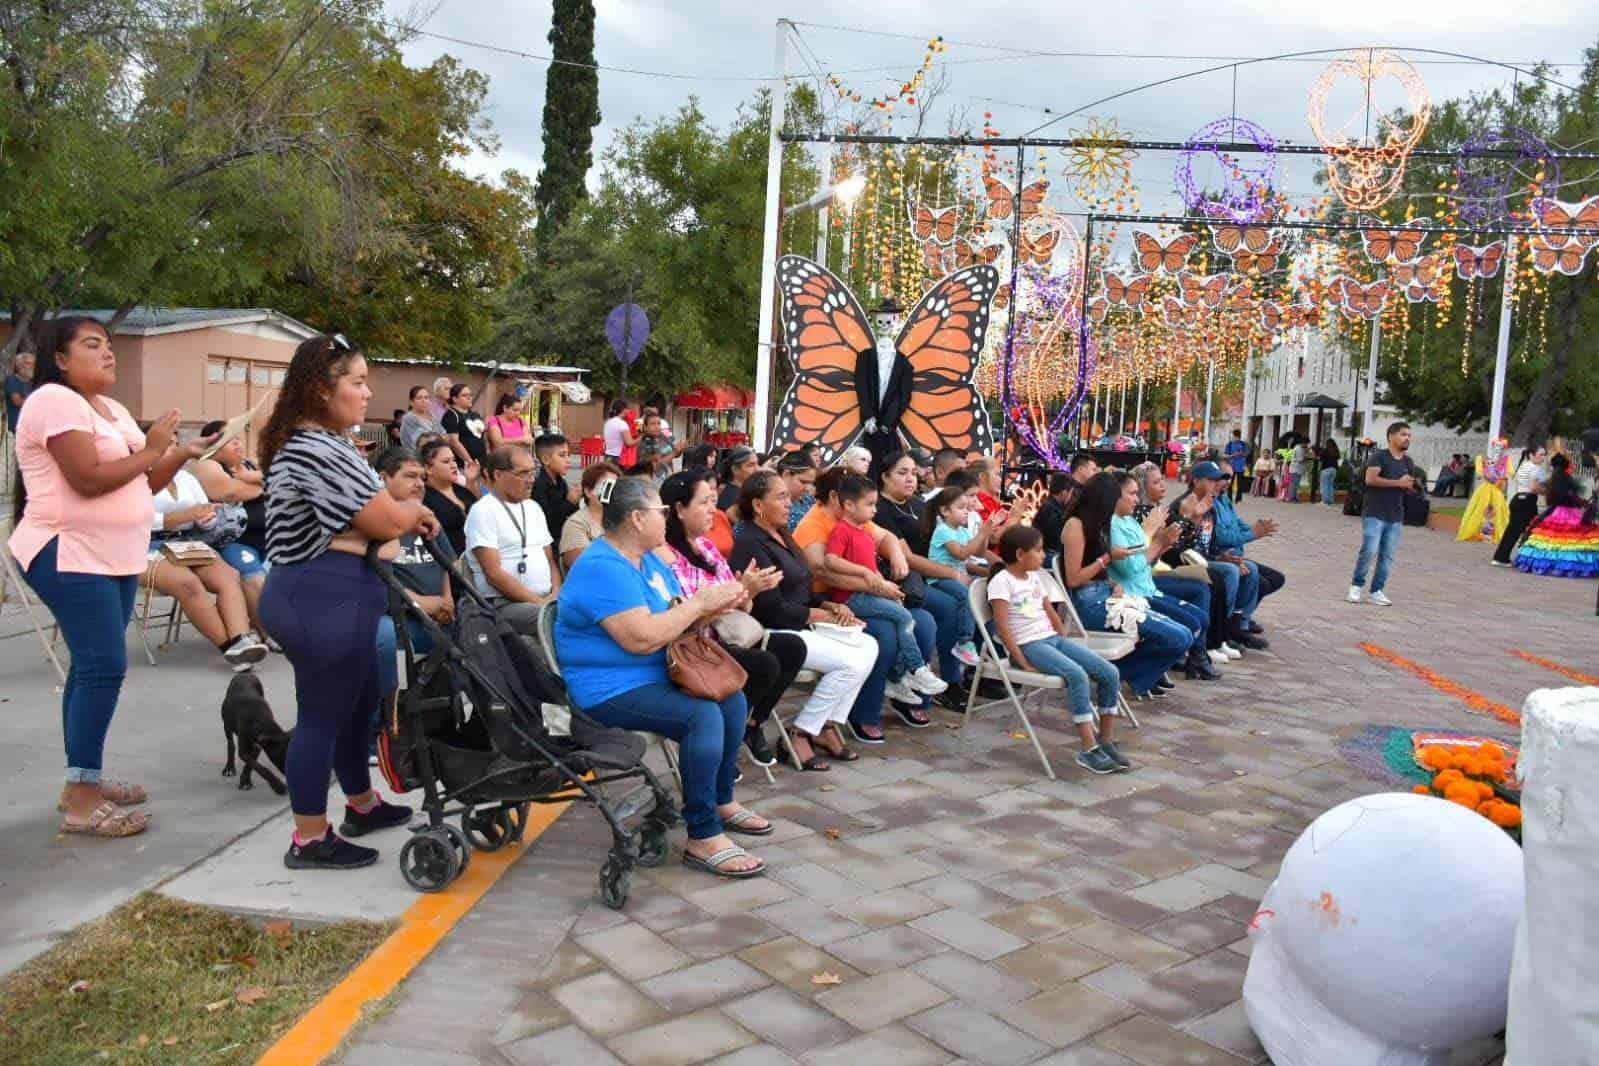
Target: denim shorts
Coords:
[[247, 561]]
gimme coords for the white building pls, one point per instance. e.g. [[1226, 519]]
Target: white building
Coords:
[[1301, 367]]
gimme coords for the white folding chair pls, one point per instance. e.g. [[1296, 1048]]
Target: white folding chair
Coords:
[[1107, 644], [11, 576], [991, 664]]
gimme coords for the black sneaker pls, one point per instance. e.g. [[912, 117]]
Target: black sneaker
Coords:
[[332, 852], [954, 698], [760, 748], [1097, 760], [1245, 639], [1165, 685], [914, 717], [385, 815], [1109, 748]]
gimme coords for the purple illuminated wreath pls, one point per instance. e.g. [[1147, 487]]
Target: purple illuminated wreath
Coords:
[[1485, 179], [1246, 185]]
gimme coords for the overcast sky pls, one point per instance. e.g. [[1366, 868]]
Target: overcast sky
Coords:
[[716, 45]]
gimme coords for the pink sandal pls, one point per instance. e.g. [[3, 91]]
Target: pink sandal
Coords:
[[109, 820]]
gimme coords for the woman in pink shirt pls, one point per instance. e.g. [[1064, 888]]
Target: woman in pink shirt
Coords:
[[81, 536]]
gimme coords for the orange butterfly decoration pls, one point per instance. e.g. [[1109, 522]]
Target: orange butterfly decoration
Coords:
[[1548, 255], [1229, 237], [1206, 290], [1400, 245], [827, 335], [1271, 316], [939, 259], [1170, 256], [1300, 315], [1098, 308], [1040, 249], [1240, 297], [1002, 199], [1363, 301], [1126, 293], [1178, 315], [1424, 272], [1264, 261], [1558, 214], [967, 253], [1471, 262], [934, 223]]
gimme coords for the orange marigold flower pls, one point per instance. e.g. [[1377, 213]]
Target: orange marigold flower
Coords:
[[1432, 757], [1446, 778], [1464, 793], [1484, 789], [1422, 790], [1492, 751]]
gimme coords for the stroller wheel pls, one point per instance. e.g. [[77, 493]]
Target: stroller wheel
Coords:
[[651, 843], [428, 861], [489, 830], [614, 884], [463, 849]]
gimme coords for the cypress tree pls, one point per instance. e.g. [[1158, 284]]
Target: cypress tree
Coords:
[[571, 111]]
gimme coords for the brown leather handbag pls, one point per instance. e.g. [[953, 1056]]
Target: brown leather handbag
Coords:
[[701, 667]]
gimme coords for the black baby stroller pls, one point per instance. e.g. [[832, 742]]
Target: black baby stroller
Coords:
[[471, 733]]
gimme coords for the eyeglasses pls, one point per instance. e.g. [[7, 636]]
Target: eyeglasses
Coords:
[[525, 475]]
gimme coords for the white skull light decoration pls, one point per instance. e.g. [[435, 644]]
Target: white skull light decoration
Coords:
[[1365, 167]]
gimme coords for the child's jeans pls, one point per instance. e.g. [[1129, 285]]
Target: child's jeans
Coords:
[[907, 657], [965, 623]]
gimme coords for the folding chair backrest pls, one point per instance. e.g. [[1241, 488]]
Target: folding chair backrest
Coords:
[[1069, 612], [547, 635], [977, 600]]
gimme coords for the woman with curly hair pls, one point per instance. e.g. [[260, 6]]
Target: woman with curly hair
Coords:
[[325, 509]]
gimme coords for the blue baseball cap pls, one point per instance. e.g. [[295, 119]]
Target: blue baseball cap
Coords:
[[1208, 471]]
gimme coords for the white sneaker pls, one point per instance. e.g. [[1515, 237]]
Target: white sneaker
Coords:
[[1230, 651], [245, 653], [926, 682], [966, 653], [1218, 657], [1496, 562], [901, 692], [1381, 599], [1354, 594]]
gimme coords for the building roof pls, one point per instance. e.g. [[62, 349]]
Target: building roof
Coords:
[[479, 364], [153, 321]]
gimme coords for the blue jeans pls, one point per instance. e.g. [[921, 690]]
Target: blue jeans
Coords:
[[868, 709], [92, 611], [388, 650], [1089, 678], [707, 736], [1380, 539], [907, 655], [962, 626], [1329, 491], [1184, 614], [1162, 643], [247, 561], [1191, 594]]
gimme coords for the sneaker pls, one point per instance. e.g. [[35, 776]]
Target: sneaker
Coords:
[[911, 715], [1381, 599], [1354, 594], [1231, 652], [954, 698], [868, 734], [966, 653], [1217, 657], [760, 748], [900, 691], [272, 646], [926, 682], [1496, 562], [385, 815], [244, 652], [332, 852], [1109, 748], [1097, 761], [1165, 684]]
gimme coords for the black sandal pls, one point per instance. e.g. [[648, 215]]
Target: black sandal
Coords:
[[843, 754], [816, 763]]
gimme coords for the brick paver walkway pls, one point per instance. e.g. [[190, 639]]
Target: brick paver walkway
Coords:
[[973, 910]]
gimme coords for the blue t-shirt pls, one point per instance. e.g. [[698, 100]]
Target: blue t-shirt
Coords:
[[937, 547], [15, 386], [1132, 573], [1238, 452], [601, 583]]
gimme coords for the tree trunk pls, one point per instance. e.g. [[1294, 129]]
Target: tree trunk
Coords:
[[21, 330], [1538, 415], [120, 315]]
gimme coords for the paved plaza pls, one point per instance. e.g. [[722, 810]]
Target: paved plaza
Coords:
[[923, 905]]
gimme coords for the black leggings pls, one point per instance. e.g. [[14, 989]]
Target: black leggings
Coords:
[[771, 671], [325, 614], [1523, 509]]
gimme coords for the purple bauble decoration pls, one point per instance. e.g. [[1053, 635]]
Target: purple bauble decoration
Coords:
[[1246, 198], [1485, 180]]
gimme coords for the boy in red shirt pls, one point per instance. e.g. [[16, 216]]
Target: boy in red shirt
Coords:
[[911, 677]]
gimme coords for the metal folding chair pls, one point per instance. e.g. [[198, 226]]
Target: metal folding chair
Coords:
[[172, 619], [1106, 643], [11, 576], [991, 664]]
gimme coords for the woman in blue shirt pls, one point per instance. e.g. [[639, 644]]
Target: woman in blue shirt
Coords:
[[615, 619]]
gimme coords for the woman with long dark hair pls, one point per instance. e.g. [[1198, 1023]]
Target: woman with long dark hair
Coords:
[[1563, 541], [448, 501], [419, 421], [325, 509], [690, 499], [84, 507], [1525, 485]]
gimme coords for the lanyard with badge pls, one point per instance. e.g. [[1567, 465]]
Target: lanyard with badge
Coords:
[[521, 564]]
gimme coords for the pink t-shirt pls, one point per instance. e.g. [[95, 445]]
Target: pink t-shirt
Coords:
[[691, 577], [107, 534], [511, 427]]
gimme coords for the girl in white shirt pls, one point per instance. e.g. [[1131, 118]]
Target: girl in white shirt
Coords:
[[1526, 482]]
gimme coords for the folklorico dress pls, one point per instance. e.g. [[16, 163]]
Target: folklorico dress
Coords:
[[1564, 540]]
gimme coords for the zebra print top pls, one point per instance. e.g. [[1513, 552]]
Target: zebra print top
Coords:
[[316, 484]]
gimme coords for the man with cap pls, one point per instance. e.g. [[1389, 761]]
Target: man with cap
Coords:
[[1231, 534]]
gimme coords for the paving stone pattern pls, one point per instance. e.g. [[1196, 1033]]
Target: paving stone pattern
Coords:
[[972, 910]]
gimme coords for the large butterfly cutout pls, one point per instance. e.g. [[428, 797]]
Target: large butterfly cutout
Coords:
[[1247, 261], [826, 332], [1002, 198], [1177, 314], [1170, 256], [1128, 293], [1229, 237], [1203, 290], [1550, 254], [934, 223], [1558, 214], [1305, 314], [1472, 262], [1362, 301], [1400, 245], [1097, 309]]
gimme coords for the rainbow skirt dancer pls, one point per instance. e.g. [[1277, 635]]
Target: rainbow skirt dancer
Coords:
[[1563, 542]]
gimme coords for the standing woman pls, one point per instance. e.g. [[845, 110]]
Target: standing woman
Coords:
[[1523, 488], [448, 501], [325, 507], [84, 508], [418, 421], [508, 426]]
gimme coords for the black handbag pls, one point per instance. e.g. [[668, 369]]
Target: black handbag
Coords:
[[913, 585]]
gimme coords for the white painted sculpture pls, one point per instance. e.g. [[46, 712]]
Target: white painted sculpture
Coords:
[[1386, 938]]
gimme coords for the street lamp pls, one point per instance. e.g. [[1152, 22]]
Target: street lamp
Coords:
[[845, 192]]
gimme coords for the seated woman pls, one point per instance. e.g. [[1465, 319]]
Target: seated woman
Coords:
[[448, 501], [1162, 643], [1183, 600], [616, 617], [181, 509], [844, 659], [1221, 578], [1194, 512], [584, 526], [799, 474], [691, 497], [234, 484]]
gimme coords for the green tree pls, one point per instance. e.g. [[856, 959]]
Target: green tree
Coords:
[[571, 111]]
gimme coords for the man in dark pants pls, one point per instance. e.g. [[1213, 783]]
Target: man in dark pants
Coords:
[[1237, 455]]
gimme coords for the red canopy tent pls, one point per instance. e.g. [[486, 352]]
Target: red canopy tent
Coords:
[[717, 398]]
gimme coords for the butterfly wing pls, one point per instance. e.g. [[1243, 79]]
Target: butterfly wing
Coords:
[[1489, 258], [1032, 198], [945, 222], [825, 330], [1115, 288], [1227, 237], [1136, 290], [1098, 308], [922, 222], [1151, 253], [942, 341], [1001, 200], [939, 260], [1176, 253]]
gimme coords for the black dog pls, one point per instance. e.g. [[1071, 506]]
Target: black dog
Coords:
[[245, 714]]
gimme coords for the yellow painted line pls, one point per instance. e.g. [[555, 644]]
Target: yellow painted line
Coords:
[[320, 1032]]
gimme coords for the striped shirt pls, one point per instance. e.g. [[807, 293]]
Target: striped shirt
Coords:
[[316, 485]]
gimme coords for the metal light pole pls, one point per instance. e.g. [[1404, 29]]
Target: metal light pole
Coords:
[[1138, 413], [1371, 376], [1176, 405], [1210, 387], [774, 186], [1502, 354]]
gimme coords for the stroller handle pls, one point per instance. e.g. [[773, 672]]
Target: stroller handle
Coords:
[[443, 552]]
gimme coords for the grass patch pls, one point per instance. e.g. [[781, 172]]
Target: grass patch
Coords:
[[1456, 511], [157, 980]]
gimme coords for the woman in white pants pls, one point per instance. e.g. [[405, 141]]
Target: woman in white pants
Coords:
[[841, 651]]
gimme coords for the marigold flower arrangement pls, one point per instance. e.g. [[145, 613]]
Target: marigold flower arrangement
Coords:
[[1476, 778]]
